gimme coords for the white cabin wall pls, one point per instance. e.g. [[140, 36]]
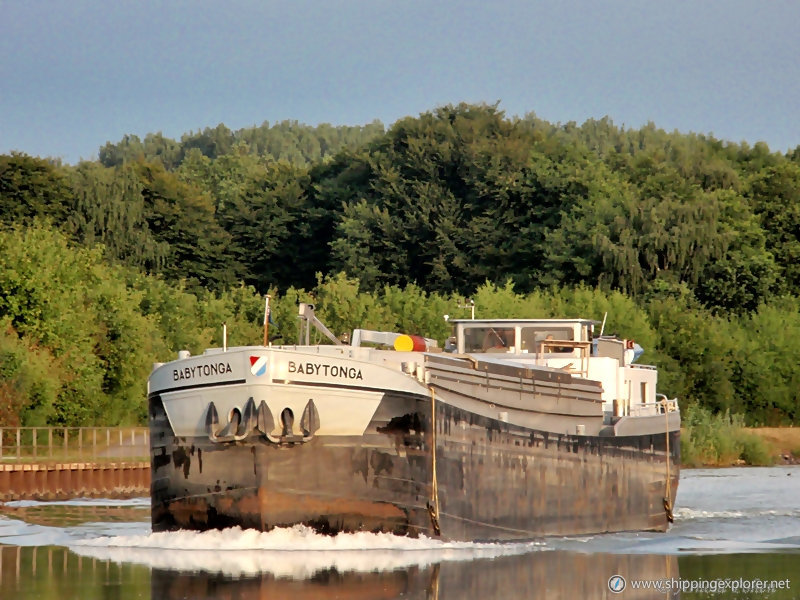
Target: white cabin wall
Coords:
[[636, 376], [606, 371]]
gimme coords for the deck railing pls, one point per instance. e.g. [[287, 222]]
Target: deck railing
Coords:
[[74, 444]]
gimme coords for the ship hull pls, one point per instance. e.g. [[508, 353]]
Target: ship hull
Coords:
[[419, 468]]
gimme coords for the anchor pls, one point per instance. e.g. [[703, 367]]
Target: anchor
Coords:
[[260, 419], [264, 422], [309, 424], [238, 428]]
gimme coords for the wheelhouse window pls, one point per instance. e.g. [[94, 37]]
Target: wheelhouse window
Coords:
[[488, 339], [530, 337]]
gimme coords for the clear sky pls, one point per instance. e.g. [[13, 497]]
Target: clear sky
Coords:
[[75, 74]]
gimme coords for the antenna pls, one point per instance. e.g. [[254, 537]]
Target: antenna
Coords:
[[603, 326], [471, 305]]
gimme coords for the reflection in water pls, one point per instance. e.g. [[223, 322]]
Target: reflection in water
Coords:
[[411, 583], [58, 573], [55, 573], [554, 575], [63, 514]]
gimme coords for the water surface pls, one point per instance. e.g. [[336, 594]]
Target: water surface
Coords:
[[730, 524]]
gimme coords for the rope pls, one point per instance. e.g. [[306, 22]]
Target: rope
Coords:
[[433, 505], [667, 491]]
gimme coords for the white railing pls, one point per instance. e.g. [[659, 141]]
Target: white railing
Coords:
[[74, 444], [658, 407]]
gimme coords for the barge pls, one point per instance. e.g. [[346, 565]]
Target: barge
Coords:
[[523, 428]]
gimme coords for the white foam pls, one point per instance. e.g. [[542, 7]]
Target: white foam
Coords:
[[297, 552], [683, 514]]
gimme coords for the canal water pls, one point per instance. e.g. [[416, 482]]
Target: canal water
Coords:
[[735, 530]]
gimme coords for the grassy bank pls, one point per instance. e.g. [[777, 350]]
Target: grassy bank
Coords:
[[721, 440], [783, 442]]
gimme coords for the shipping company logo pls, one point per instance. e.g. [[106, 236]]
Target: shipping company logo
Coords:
[[258, 365], [616, 583]]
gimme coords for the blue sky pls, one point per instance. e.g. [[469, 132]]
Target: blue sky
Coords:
[[76, 74]]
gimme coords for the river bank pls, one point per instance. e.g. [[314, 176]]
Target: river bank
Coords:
[[722, 441], [784, 443]]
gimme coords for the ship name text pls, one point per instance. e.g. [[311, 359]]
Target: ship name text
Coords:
[[325, 370], [205, 370]]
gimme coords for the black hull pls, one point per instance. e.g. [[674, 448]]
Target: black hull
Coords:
[[495, 480]]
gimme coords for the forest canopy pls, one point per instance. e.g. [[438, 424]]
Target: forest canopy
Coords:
[[690, 243]]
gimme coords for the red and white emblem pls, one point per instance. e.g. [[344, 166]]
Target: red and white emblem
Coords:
[[258, 365]]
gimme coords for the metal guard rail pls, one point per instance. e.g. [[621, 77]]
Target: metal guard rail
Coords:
[[74, 444]]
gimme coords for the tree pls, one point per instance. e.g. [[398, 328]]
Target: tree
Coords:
[[263, 206], [440, 200], [129, 148], [108, 208], [32, 188], [182, 216], [67, 303], [765, 370], [700, 351], [775, 197], [31, 379]]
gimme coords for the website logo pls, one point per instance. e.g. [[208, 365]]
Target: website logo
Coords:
[[616, 583]]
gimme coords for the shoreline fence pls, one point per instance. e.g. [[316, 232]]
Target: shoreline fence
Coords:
[[74, 444], [49, 463]]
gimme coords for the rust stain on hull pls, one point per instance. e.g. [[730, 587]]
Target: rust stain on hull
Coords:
[[264, 510]]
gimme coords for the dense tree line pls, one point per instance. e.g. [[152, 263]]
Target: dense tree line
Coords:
[[691, 243], [289, 141]]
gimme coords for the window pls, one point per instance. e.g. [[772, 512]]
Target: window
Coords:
[[531, 336], [488, 339]]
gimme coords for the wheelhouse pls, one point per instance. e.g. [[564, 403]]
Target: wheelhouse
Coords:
[[522, 336]]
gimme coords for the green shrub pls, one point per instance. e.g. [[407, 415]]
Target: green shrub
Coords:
[[755, 450], [719, 439]]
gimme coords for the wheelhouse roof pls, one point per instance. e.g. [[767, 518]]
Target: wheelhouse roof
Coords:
[[479, 322]]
